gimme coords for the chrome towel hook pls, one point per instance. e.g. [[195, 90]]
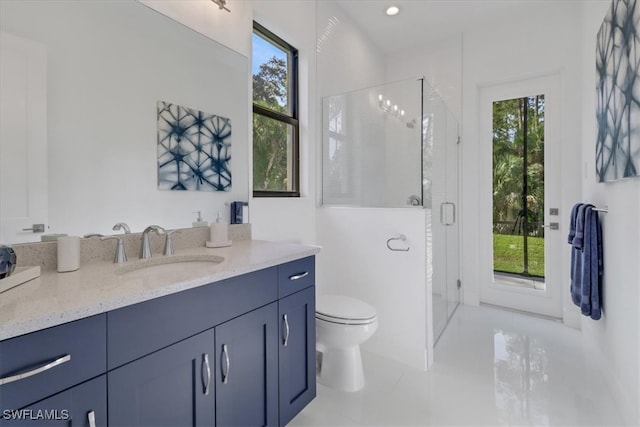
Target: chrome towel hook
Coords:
[[401, 237]]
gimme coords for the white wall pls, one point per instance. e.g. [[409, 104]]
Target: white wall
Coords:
[[506, 53], [357, 263], [439, 62], [229, 29], [614, 339]]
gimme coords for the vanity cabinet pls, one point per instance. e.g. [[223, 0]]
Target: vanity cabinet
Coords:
[[38, 365], [236, 352], [84, 405], [247, 369], [171, 387], [297, 352]]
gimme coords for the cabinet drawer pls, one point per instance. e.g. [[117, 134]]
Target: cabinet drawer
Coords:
[[57, 358], [296, 275], [143, 328], [71, 408]]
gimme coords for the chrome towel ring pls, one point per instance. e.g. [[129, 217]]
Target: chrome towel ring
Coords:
[[402, 238]]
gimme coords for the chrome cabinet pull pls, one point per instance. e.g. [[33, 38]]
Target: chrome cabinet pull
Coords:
[[299, 276], [91, 416], [227, 366], [207, 379], [48, 365], [285, 341]]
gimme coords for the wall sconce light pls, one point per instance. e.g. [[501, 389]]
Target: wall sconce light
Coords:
[[221, 4]]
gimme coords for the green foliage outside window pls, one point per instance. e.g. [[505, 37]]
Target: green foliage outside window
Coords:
[[275, 124], [511, 214]]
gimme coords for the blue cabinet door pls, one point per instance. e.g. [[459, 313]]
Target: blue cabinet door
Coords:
[[247, 369], [74, 407], [297, 353], [171, 387]]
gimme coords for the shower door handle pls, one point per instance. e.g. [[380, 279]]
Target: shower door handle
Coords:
[[453, 211]]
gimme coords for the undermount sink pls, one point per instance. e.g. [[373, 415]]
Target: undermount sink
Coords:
[[168, 264]]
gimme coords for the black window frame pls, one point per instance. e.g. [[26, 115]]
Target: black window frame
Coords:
[[292, 119]]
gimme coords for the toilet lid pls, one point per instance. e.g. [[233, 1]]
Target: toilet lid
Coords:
[[341, 309]]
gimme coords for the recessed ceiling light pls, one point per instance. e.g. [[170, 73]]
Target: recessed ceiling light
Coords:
[[392, 10]]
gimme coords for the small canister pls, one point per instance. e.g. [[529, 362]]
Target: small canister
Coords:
[[68, 253]]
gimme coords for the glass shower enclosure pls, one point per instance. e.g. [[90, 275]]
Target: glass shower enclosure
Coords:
[[396, 146]]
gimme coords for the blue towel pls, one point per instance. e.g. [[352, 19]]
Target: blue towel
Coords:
[[578, 239], [572, 222], [577, 255], [592, 266], [587, 262], [574, 256]]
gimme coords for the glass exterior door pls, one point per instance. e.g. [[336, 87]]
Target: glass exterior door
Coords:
[[518, 190]]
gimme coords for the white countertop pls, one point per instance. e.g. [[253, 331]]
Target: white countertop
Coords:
[[56, 298]]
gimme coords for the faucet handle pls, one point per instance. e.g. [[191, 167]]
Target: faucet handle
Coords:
[[155, 228], [168, 242], [122, 226], [121, 256]]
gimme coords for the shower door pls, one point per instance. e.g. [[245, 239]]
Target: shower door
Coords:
[[441, 189]]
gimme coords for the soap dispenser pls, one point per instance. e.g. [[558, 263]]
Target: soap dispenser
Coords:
[[218, 234], [199, 222]]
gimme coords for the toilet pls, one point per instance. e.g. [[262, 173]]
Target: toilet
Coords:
[[342, 324]]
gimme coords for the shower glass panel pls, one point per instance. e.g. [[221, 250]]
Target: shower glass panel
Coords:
[[396, 145], [372, 146], [441, 193]]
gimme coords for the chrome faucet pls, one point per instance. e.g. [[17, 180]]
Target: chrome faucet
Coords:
[[121, 256], [145, 249], [122, 226], [168, 243]]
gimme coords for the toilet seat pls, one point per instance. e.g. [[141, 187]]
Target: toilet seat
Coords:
[[344, 310]]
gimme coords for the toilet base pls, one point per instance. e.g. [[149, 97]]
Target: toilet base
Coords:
[[341, 369]]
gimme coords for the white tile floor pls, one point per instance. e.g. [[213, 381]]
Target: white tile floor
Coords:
[[492, 367]]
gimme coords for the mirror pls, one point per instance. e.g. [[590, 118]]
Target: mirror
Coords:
[[108, 64]]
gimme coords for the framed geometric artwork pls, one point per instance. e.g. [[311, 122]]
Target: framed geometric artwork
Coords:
[[618, 92], [194, 149]]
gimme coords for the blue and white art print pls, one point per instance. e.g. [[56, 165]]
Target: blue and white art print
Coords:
[[618, 92], [194, 149]]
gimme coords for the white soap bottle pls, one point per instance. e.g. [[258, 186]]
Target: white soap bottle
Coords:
[[218, 234]]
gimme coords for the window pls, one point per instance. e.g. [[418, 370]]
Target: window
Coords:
[[275, 116]]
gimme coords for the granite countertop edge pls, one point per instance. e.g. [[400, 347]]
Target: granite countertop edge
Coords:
[[57, 298]]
